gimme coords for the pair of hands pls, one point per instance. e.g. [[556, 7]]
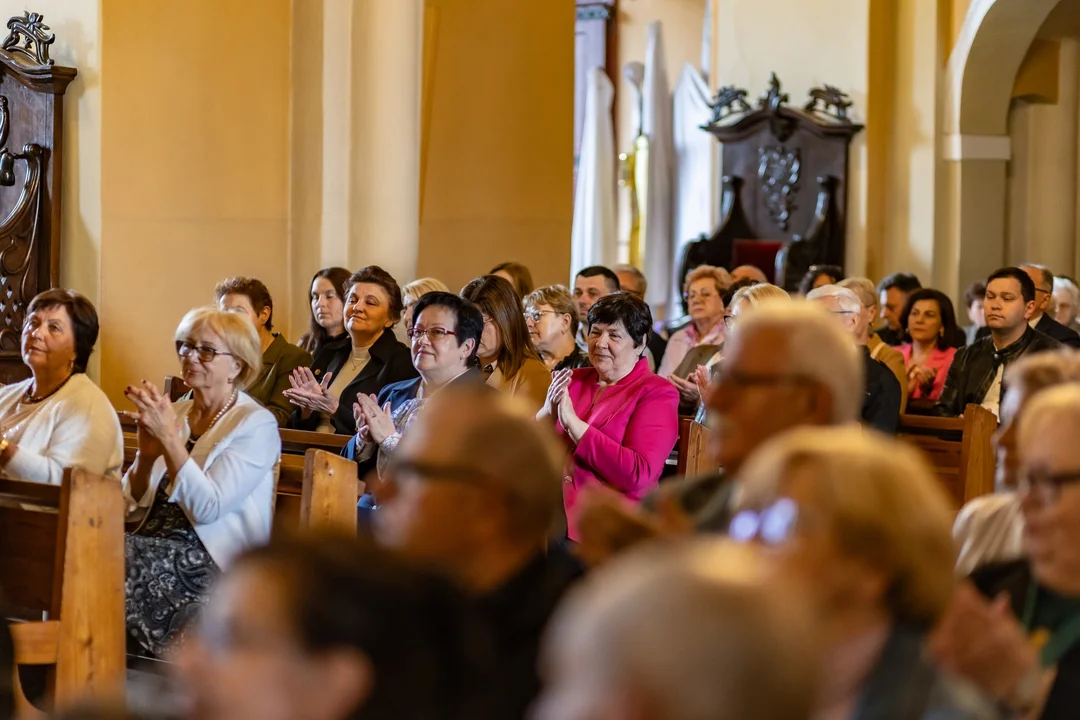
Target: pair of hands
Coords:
[[310, 395], [693, 389], [373, 423], [558, 404], [920, 375], [156, 418], [983, 642]]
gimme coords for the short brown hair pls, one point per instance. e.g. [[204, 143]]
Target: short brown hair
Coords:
[[84, 320], [251, 288], [523, 281], [558, 298], [377, 276]]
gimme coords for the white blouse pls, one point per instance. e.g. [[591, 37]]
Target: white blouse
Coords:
[[227, 485], [74, 427]]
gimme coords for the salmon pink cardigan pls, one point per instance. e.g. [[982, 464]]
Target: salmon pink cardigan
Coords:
[[633, 427]]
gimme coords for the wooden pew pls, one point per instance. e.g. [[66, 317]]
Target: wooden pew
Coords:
[[66, 558], [960, 450], [330, 492], [693, 457]]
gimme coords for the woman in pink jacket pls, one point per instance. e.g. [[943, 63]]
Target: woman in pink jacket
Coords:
[[619, 420]]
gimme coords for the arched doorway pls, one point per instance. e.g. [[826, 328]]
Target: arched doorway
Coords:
[[992, 44]]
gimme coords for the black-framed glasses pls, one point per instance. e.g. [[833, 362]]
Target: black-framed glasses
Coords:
[[1045, 486], [535, 315], [205, 353], [433, 334]]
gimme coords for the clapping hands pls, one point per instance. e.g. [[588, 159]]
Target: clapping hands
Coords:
[[373, 423], [309, 394]]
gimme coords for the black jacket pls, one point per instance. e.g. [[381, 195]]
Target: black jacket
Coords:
[[974, 367], [881, 406], [1014, 578], [576, 359], [1047, 326], [390, 363], [518, 612]]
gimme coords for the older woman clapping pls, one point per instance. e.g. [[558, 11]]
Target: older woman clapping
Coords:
[[58, 418], [619, 419], [205, 471]]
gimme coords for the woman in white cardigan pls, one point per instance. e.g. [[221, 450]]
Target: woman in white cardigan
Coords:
[[58, 418], [205, 469]]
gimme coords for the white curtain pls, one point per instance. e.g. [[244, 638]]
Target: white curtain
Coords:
[[656, 124], [594, 239], [695, 195]]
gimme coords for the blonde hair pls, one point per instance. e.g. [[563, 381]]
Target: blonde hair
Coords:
[[883, 503], [754, 295], [720, 277], [558, 298], [864, 289], [236, 331], [421, 287], [1053, 406]]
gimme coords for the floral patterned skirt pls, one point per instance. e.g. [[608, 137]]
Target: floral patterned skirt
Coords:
[[169, 573]]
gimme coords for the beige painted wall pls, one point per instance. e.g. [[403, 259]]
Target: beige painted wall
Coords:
[[77, 26], [194, 175], [498, 139], [682, 31]]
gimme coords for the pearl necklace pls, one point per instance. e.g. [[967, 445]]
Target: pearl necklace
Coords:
[[222, 411]]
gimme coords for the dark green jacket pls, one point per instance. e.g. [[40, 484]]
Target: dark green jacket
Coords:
[[279, 360]]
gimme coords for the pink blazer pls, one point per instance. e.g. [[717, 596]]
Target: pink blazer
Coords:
[[940, 361], [633, 427]]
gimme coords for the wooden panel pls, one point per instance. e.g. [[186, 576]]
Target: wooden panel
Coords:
[[330, 492], [298, 441], [28, 542], [960, 450], [91, 661], [693, 452], [36, 643]]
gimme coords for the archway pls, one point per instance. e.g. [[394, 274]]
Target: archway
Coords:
[[992, 44]]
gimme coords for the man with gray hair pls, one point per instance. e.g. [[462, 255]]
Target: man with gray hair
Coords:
[[1044, 295], [882, 398], [633, 281], [694, 631], [473, 490]]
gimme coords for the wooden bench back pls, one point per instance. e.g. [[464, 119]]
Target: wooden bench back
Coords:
[[330, 492], [693, 457], [960, 450], [66, 557]]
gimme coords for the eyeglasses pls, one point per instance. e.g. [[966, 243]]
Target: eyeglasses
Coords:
[[696, 295], [1044, 486], [434, 334], [773, 526], [205, 353], [535, 315], [844, 312]]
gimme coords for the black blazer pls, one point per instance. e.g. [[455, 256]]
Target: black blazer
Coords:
[[390, 363], [881, 404], [1064, 335]]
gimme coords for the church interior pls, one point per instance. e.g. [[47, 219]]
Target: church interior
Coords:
[[766, 407]]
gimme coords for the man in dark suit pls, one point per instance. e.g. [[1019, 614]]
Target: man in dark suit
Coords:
[[1040, 319]]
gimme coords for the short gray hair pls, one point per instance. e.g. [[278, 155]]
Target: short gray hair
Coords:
[[1053, 406], [639, 277], [846, 299], [864, 289], [700, 629], [758, 293], [819, 349]]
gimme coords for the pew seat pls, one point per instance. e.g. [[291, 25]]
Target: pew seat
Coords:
[[62, 553], [960, 450]]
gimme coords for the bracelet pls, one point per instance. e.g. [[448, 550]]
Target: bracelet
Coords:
[[4, 444]]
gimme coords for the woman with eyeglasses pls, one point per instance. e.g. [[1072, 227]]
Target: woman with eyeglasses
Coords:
[[445, 334], [507, 358], [58, 417], [701, 339], [551, 316], [203, 477], [869, 542], [372, 359]]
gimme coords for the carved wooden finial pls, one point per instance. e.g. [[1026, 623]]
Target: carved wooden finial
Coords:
[[729, 101], [829, 97], [30, 38], [773, 98]]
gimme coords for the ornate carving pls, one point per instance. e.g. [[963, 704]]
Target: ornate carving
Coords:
[[729, 101], [778, 170], [18, 237], [30, 38], [773, 98], [829, 97]]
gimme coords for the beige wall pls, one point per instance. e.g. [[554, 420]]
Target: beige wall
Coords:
[[497, 139], [194, 173], [77, 26]]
